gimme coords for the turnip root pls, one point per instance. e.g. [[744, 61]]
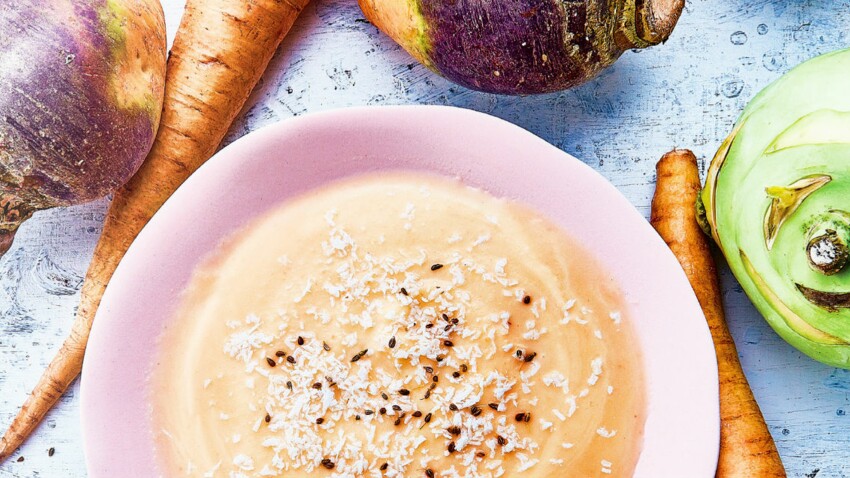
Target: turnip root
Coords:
[[522, 46], [81, 88]]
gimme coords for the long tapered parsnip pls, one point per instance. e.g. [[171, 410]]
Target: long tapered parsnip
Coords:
[[221, 49], [746, 448]]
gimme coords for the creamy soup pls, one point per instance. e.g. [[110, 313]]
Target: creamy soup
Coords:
[[400, 325]]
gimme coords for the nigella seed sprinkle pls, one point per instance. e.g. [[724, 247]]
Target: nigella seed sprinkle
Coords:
[[320, 420], [502, 441], [526, 300], [451, 447], [436, 267], [326, 346], [327, 463], [435, 378], [397, 421], [396, 408], [475, 410], [382, 411], [392, 342], [429, 473], [270, 361], [456, 374], [268, 418], [428, 326], [290, 359], [385, 466], [385, 396], [317, 385], [464, 368], [20, 459], [428, 418], [494, 406], [520, 417], [448, 343], [280, 353], [455, 321], [429, 369], [51, 451], [359, 355], [300, 340], [440, 358], [417, 414], [453, 407], [405, 392], [530, 357], [446, 317], [454, 430], [289, 384], [369, 412], [480, 454], [519, 354], [447, 328], [404, 291]]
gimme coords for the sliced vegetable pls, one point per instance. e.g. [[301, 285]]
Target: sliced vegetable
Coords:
[[775, 201], [81, 87], [221, 49]]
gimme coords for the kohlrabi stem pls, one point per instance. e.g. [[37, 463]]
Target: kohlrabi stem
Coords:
[[827, 252]]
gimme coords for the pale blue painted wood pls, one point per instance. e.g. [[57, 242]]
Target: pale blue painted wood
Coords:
[[686, 93]]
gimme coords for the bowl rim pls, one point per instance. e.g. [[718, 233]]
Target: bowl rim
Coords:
[[682, 424]]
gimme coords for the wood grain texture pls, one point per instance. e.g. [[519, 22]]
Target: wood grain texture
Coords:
[[685, 93]]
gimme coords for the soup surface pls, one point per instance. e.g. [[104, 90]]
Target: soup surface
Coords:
[[399, 325]]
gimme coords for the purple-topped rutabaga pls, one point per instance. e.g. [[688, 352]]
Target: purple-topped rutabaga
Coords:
[[81, 88], [522, 46]]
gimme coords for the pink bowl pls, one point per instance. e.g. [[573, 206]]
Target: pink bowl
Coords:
[[259, 171]]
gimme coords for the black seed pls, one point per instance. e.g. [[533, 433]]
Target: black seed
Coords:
[[357, 417], [326, 346], [392, 342], [440, 358], [519, 354], [405, 392], [359, 355], [369, 412], [427, 418], [455, 320], [435, 378], [451, 447], [454, 430], [384, 466], [527, 417], [436, 267], [417, 414], [447, 328], [270, 361], [446, 317], [526, 300], [453, 407], [320, 420], [429, 369], [530, 357], [290, 359], [494, 406], [464, 368], [20, 459], [385, 396], [268, 418], [51, 451], [475, 410], [448, 343], [382, 411], [397, 421], [429, 473], [502, 441], [396, 408], [280, 353], [428, 326], [456, 374], [327, 463], [480, 454], [300, 340], [521, 417], [317, 385], [289, 384], [404, 291]]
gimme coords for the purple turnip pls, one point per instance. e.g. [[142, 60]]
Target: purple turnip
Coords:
[[81, 88], [522, 46]]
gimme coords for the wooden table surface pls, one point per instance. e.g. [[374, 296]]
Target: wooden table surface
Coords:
[[685, 93]]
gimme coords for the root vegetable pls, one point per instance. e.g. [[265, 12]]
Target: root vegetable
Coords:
[[746, 446], [221, 49], [81, 87], [522, 46]]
